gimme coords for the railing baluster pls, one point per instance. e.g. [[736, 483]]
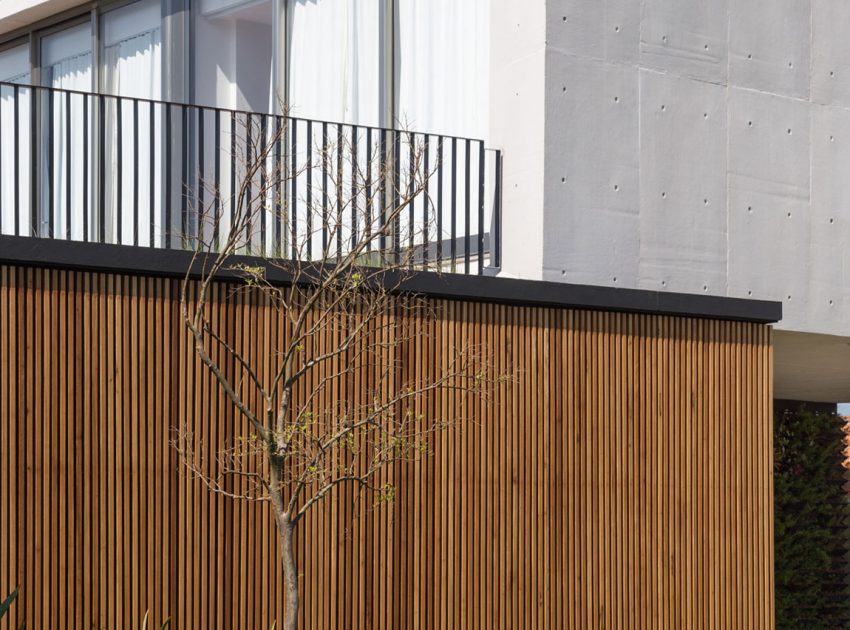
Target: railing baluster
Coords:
[[480, 208], [382, 240], [151, 178], [367, 227], [217, 179], [184, 175], [50, 162], [396, 197], [16, 142], [232, 169], [425, 201], [440, 169], [263, 191], [119, 189], [168, 197], [411, 188], [309, 190], [35, 219], [68, 155], [293, 188], [278, 180], [353, 187], [135, 172], [339, 202], [324, 190], [467, 210], [325, 196], [453, 236], [496, 236], [101, 114], [249, 237], [200, 197], [85, 167]]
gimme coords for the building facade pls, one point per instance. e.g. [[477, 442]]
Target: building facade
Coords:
[[625, 198]]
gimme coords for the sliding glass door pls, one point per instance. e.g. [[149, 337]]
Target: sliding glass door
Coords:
[[234, 47], [441, 67], [337, 51], [97, 154], [66, 63], [131, 68]]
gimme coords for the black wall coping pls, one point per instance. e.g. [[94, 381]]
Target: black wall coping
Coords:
[[17, 250]]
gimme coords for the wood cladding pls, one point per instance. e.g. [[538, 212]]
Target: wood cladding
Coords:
[[624, 480]]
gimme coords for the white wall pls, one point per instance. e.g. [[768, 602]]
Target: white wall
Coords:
[[701, 147], [517, 108]]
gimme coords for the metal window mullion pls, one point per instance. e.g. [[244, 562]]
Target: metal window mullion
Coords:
[[280, 59], [389, 62]]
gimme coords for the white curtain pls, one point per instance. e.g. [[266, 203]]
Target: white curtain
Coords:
[[442, 87], [441, 66], [14, 68], [132, 68], [71, 72], [335, 60]]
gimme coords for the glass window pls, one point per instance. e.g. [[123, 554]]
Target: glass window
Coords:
[[131, 50], [66, 63], [15, 64], [66, 58], [336, 60], [131, 66], [233, 54]]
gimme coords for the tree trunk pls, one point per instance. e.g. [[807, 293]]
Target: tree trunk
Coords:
[[286, 530]]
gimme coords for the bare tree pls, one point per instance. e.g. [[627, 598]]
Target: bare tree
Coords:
[[344, 253]]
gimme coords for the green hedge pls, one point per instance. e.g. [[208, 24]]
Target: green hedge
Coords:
[[812, 514]]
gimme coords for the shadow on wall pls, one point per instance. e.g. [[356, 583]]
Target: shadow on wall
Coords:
[[812, 516]]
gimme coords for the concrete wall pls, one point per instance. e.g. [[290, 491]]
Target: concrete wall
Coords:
[[700, 147]]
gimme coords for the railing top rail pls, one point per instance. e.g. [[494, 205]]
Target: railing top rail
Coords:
[[241, 112]]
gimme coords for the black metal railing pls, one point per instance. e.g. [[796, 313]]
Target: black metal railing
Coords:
[[132, 171]]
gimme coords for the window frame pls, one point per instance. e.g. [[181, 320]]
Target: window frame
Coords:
[[178, 37], [88, 13]]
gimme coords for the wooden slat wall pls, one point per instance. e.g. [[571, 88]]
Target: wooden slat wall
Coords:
[[623, 480]]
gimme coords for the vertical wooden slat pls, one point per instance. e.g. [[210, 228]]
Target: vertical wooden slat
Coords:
[[623, 478]]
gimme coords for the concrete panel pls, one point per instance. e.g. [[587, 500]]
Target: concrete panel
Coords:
[[770, 45], [592, 188], [622, 31], [831, 52], [829, 303], [769, 251], [769, 200], [687, 37], [576, 27], [589, 28], [769, 144], [682, 184]]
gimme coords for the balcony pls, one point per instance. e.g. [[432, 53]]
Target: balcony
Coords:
[[86, 167]]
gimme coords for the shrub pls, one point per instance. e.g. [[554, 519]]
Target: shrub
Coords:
[[812, 514]]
